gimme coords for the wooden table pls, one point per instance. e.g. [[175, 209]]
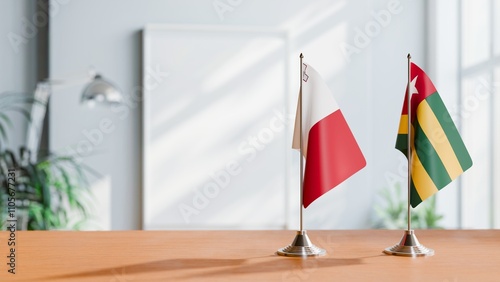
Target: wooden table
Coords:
[[120, 256]]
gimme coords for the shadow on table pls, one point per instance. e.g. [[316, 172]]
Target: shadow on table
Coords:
[[225, 266], [154, 266], [289, 267]]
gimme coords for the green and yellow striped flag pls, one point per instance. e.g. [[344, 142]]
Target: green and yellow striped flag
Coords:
[[438, 152]]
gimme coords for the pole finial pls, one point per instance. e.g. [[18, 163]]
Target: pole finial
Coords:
[[301, 56], [409, 56]]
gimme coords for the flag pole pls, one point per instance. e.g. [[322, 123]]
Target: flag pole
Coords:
[[408, 94], [301, 151], [301, 245], [409, 246]]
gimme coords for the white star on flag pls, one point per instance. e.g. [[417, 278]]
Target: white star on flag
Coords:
[[413, 88]]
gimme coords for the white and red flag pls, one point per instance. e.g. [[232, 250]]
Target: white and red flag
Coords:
[[330, 150]]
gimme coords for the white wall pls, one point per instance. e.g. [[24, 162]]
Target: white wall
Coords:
[[17, 57], [369, 86]]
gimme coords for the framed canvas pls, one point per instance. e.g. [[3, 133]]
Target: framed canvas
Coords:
[[216, 129]]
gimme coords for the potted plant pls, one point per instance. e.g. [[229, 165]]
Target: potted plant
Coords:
[[51, 192]]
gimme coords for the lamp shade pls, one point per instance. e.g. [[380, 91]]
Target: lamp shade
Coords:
[[101, 90]]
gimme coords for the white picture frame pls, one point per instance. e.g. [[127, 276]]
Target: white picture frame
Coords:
[[216, 127]]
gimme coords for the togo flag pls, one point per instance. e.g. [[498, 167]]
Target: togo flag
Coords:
[[438, 153]]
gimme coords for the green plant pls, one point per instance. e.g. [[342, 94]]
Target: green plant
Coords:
[[53, 191], [393, 212]]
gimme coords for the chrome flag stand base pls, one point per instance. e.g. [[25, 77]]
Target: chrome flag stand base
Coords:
[[301, 247], [409, 247]]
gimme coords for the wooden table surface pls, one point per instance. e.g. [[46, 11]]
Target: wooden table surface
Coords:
[[119, 256]]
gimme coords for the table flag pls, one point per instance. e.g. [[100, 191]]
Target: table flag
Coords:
[[438, 153], [330, 150]]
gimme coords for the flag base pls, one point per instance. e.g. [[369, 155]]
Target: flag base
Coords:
[[409, 247], [301, 247]]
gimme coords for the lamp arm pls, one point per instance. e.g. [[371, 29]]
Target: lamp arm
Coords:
[[68, 82], [38, 111]]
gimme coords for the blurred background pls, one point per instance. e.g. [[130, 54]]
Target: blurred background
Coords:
[[201, 136]]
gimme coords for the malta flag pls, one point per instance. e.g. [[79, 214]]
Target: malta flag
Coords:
[[329, 148], [438, 153]]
